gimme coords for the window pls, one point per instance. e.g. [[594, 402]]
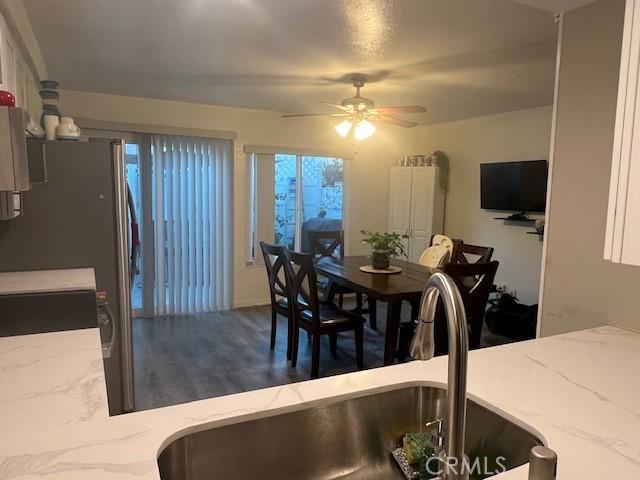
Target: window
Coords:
[[291, 195]]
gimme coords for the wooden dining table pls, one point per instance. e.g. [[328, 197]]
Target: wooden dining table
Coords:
[[390, 288]]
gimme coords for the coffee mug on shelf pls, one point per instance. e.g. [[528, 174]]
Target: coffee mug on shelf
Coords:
[[67, 129]]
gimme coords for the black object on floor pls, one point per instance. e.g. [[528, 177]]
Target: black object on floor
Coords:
[[511, 319]]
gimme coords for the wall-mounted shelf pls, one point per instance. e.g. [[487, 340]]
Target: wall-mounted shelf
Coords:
[[516, 220]]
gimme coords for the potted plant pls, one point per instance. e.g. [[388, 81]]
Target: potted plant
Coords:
[[383, 246]]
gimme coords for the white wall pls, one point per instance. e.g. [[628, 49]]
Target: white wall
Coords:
[[581, 289], [369, 166], [520, 135]]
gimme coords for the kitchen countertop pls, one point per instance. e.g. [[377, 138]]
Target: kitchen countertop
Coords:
[[50, 380], [40, 281], [578, 390]]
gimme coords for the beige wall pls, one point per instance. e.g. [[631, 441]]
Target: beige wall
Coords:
[[581, 289], [368, 167], [521, 135]]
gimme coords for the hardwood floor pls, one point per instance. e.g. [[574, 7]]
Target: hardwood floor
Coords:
[[179, 359], [185, 358]]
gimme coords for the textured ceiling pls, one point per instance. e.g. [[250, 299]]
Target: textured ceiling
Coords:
[[459, 58]]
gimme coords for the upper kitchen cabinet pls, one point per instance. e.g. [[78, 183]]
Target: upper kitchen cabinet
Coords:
[[622, 240], [16, 75]]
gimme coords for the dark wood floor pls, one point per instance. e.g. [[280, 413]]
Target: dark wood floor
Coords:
[[185, 358]]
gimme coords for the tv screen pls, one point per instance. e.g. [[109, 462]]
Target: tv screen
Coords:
[[514, 186]]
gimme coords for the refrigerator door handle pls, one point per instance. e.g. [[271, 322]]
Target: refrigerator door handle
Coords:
[[124, 282], [107, 318]]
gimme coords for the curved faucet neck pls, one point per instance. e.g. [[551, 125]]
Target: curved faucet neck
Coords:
[[442, 286]]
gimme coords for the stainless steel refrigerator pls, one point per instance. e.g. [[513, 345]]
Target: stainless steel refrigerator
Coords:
[[79, 218]]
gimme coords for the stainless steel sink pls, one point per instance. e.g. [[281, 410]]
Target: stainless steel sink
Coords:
[[350, 439]]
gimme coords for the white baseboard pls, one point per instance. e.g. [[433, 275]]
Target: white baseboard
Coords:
[[251, 302]]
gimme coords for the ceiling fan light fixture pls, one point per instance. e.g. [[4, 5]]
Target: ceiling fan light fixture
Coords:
[[343, 128], [363, 130]]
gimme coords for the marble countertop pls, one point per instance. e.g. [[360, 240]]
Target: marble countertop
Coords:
[[50, 380], [40, 281], [578, 390]]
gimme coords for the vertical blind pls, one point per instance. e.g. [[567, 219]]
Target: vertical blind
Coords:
[[192, 198]]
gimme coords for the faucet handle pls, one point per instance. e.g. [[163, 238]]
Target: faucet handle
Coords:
[[437, 438]]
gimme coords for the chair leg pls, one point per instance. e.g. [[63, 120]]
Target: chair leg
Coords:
[[359, 346], [405, 337], [333, 344], [294, 346], [340, 299], [358, 303], [415, 306], [315, 355], [308, 336], [289, 336], [373, 313], [274, 324], [330, 293]]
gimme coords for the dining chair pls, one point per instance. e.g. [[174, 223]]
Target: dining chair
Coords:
[[465, 253], [474, 282], [475, 295], [315, 317], [330, 243], [279, 290]]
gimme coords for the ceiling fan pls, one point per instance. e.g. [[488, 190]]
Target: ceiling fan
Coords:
[[358, 113]]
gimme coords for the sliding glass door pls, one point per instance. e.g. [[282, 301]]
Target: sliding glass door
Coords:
[[134, 180], [308, 196], [191, 209], [182, 192]]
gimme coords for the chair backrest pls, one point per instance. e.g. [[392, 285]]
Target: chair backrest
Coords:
[[461, 250], [301, 274], [325, 243], [274, 261], [474, 282], [435, 256]]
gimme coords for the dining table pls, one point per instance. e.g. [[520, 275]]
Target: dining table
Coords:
[[391, 288]]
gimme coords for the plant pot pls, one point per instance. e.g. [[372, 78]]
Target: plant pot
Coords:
[[380, 260]]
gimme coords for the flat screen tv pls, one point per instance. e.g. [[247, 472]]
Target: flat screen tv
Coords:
[[514, 186]]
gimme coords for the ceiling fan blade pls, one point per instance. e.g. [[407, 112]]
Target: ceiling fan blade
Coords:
[[394, 121], [403, 109], [317, 115], [338, 106]]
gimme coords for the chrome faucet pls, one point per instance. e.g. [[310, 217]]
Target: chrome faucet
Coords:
[[422, 348]]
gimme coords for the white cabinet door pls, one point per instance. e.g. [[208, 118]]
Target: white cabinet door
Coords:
[[8, 65], [622, 239], [400, 201], [422, 185], [21, 87]]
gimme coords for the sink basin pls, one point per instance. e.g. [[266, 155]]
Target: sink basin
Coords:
[[348, 439]]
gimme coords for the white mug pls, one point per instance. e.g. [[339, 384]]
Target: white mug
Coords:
[[67, 128], [51, 122]]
